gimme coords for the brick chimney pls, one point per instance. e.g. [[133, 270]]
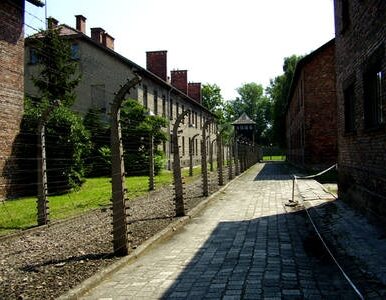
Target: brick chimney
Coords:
[[52, 23], [97, 34], [108, 41], [179, 79], [194, 91], [81, 23], [156, 62]]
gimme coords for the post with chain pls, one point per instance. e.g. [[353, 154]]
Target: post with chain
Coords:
[[204, 164], [42, 202], [120, 238], [178, 188], [191, 147], [151, 162], [219, 159]]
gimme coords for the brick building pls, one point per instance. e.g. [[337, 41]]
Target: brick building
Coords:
[[11, 82], [311, 110], [360, 28], [104, 70]]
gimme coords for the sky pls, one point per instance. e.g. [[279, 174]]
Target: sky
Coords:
[[221, 42]]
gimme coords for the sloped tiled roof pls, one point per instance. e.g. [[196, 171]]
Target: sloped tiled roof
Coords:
[[244, 120], [36, 2]]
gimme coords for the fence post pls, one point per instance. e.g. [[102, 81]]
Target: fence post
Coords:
[[236, 157], [120, 239], [211, 154], [151, 163], [179, 197], [191, 146], [204, 165], [230, 157], [42, 202], [220, 160]]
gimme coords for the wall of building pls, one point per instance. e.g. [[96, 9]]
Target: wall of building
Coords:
[[102, 75], [11, 85], [311, 115], [360, 45], [320, 109]]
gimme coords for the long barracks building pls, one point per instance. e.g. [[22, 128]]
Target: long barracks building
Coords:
[[103, 71]]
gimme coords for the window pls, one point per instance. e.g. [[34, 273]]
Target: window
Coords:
[[183, 109], [171, 144], [349, 109], [373, 98], [163, 105], [196, 146], [183, 146], [345, 15], [98, 97], [155, 107], [75, 52], [145, 96], [171, 109], [33, 56]]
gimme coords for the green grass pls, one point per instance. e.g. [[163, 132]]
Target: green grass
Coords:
[[274, 158], [20, 213]]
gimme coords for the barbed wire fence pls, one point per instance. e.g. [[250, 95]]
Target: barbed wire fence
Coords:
[[27, 175]]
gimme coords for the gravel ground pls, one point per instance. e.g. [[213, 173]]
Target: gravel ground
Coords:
[[44, 263]]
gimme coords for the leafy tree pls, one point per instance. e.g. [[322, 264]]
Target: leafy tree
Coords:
[[278, 93], [98, 163], [67, 142], [211, 97], [255, 104], [58, 74], [137, 128]]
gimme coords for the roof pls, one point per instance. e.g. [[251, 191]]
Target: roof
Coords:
[[300, 65], [72, 33], [36, 2], [244, 120]]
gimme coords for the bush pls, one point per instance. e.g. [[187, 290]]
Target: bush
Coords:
[[98, 163], [67, 141]]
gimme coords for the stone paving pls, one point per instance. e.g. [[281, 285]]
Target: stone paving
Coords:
[[244, 245]]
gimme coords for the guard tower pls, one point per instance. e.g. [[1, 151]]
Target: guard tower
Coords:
[[245, 128]]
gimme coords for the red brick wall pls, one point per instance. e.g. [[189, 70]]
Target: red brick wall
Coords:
[[179, 79], [11, 83], [311, 116], [156, 62], [362, 154], [194, 91]]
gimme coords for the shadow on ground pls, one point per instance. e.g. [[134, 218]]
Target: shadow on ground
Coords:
[[272, 256], [274, 170]]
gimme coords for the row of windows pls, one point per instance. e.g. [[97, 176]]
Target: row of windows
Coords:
[[35, 57], [373, 101], [193, 117]]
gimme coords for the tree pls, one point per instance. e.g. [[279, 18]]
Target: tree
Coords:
[[98, 163], [255, 104], [137, 129], [67, 140], [278, 93], [211, 97], [58, 74]]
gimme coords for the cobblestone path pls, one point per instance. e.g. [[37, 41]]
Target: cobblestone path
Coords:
[[244, 245]]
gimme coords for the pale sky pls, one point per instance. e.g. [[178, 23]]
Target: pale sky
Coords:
[[218, 41]]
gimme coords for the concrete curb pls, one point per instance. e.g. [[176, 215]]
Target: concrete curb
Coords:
[[164, 234]]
